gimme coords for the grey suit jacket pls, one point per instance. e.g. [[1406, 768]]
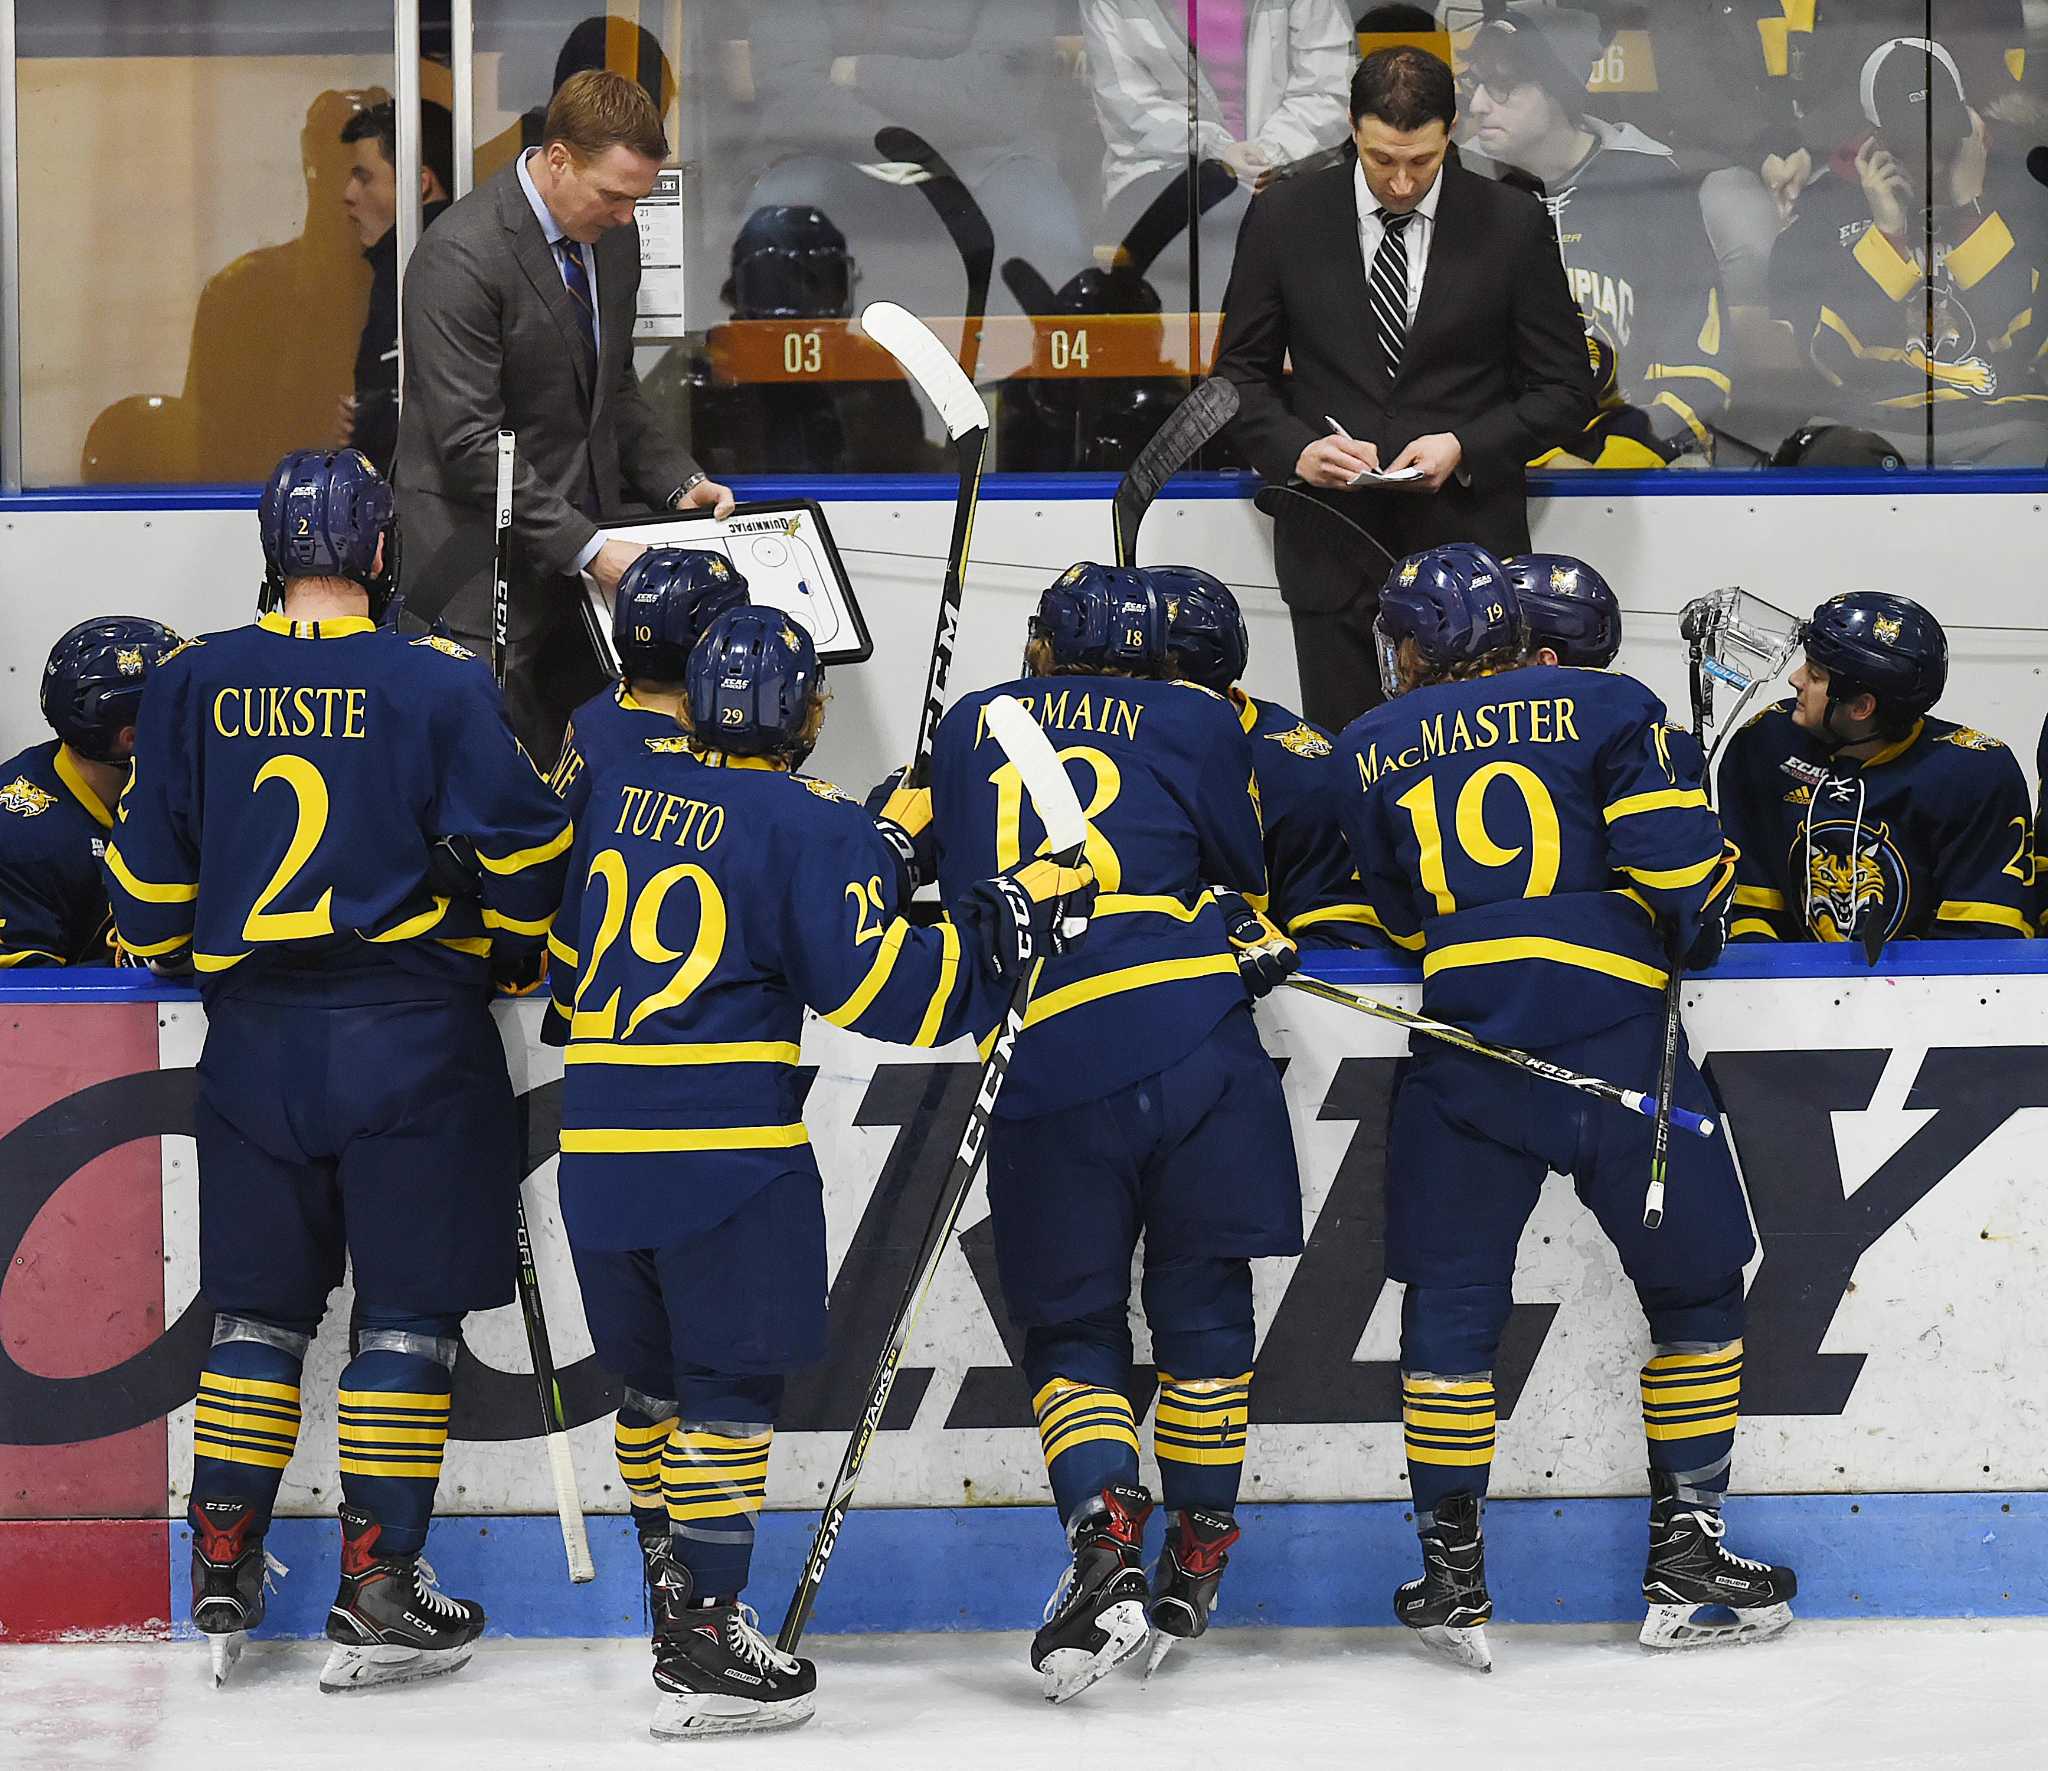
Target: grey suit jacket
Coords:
[[492, 342]]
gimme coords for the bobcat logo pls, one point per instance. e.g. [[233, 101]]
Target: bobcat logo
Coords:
[[23, 796], [1561, 579], [1887, 629], [1304, 740], [1852, 877], [823, 789], [128, 660], [1411, 571], [438, 643], [1967, 738], [789, 638], [676, 746]]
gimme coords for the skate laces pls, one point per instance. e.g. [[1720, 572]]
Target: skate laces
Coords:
[[1069, 1579], [744, 1637], [426, 1586], [1716, 1529]]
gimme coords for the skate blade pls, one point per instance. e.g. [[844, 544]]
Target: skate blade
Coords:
[[1466, 1644], [362, 1669], [1162, 1646], [1679, 1626], [225, 1651], [1067, 1672], [698, 1714]]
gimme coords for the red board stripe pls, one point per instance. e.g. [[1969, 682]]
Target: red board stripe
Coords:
[[84, 1580]]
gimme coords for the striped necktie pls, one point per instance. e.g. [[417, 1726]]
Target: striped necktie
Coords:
[[576, 279], [1389, 288]]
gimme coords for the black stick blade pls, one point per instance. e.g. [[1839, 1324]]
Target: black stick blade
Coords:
[[1196, 420]]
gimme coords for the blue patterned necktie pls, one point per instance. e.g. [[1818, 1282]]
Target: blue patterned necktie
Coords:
[[576, 279]]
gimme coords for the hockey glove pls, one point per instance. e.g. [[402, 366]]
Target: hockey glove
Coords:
[[903, 815], [1035, 910], [1707, 946], [1264, 955], [452, 868]]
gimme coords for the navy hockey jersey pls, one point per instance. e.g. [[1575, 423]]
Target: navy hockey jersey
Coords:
[[291, 781], [602, 733], [708, 904], [1524, 832], [53, 828], [1931, 835], [1164, 773], [2041, 834], [1312, 890]]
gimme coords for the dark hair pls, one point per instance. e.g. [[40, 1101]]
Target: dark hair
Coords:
[[437, 136], [589, 46], [1404, 87], [1405, 19]]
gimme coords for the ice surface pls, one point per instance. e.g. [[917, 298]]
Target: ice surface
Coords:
[[1873, 1696]]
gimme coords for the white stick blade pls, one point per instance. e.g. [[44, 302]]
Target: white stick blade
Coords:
[[508, 445], [1024, 742], [569, 1504], [928, 363]]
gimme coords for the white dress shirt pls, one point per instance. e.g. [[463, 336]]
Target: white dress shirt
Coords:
[[553, 229], [1416, 237]]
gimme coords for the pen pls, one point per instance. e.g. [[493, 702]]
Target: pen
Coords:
[[1337, 429]]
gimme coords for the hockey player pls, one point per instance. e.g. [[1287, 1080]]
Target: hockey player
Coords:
[[665, 601], [1571, 614], [1312, 891], [292, 780], [2041, 833], [689, 1191], [1139, 1100], [1527, 824], [1860, 816], [57, 798]]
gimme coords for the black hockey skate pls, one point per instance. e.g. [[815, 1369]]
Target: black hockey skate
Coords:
[[389, 1623], [1185, 1579], [657, 1554], [1095, 1619], [1701, 1596], [1449, 1605], [230, 1578], [715, 1670]]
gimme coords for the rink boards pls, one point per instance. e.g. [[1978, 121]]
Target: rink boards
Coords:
[[1892, 1129]]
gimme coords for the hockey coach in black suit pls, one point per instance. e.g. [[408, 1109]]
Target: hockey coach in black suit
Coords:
[[1429, 323], [519, 313]]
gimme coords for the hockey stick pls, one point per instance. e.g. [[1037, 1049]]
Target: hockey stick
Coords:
[[1633, 1099], [554, 1418], [501, 589], [1270, 500], [1052, 797], [947, 386], [963, 220], [1208, 408]]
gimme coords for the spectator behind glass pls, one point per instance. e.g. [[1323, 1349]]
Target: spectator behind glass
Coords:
[[1943, 366], [1269, 88], [1629, 227], [368, 418], [975, 78]]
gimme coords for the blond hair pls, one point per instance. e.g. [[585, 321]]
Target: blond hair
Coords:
[[597, 109]]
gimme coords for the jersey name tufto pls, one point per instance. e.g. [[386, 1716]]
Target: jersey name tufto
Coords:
[[1519, 831], [1927, 840], [1164, 774], [291, 780], [53, 829], [706, 907]]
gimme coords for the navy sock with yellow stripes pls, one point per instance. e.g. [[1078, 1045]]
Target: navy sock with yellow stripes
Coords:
[[393, 1422], [1449, 1336], [1078, 1372], [246, 1420], [714, 1476], [1200, 1312], [640, 1434], [1692, 1384]]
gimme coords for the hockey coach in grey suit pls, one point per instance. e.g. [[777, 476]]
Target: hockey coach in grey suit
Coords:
[[519, 315]]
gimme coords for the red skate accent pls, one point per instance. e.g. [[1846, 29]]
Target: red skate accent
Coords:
[[359, 1552], [217, 1544], [1125, 1524], [1197, 1553]]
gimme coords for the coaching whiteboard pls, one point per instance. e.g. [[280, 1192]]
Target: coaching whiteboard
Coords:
[[784, 550]]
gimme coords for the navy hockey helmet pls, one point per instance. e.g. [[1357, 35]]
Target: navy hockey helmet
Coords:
[[1103, 618], [1454, 602], [1568, 607], [1205, 628], [321, 516], [93, 682], [751, 682], [1889, 646], [789, 262], [665, 601]]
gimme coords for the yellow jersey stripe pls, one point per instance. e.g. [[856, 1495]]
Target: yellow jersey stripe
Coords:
[[73, 777], [1510, 948], [942, 992], [1759, 897], [1674, 878], [733, 1051], [217, 962], [626, 1141], [145, 891], [1750, 925], [1998, 915], [1665, 799], [521, 859], [414, 926], [1157, 904], [1130, 977], [871, 986], [28, 953], [567, 955], [512, 925]]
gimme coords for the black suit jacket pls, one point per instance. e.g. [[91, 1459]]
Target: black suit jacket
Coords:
[[1497, 356], [491, 342]]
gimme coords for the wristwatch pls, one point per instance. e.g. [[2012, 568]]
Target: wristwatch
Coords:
[[686, 488]]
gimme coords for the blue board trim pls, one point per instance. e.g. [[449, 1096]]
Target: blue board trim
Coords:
[[1332, 1564], [1907, 959], [1098, 488]]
